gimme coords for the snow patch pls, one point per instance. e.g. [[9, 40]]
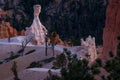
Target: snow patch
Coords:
[[44, 70]]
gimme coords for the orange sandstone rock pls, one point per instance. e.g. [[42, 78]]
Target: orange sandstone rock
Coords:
[[55, 39], [7, 31]]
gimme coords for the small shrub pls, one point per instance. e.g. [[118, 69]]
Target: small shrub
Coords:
[[35, 64], [60, 61], [95, 71], [99, 62]]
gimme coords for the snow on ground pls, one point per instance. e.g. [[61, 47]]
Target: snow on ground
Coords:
[[44, 70], [14, 40], [24, 61], [35, 74], [6, 47], [19, 39], [32, 73], [59, 48]]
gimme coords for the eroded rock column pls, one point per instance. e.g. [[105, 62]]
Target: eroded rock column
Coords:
[[36, 31]]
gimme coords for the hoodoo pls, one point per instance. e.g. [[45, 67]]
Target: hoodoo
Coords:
[[36, 31]]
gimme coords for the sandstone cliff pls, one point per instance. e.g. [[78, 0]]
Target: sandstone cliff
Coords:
[[112, 27]]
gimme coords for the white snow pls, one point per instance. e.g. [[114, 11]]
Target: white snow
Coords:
[[44, 70], [59, 48], [14, 40]]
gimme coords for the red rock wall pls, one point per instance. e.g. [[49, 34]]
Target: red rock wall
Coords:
[[112, 27]]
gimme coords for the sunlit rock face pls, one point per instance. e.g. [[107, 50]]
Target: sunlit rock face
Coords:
[[21, 33], [89, 43], [36, 31], [112, 27], [55, 39], [6, 31]]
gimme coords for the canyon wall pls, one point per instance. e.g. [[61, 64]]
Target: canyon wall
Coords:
[[112, 27]]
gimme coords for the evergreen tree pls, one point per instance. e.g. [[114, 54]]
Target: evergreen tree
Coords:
[[77, 69], [74, 68], [113, 65]]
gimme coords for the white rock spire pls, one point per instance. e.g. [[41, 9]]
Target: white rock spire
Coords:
[[36, 31]]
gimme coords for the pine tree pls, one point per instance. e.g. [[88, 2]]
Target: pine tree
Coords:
[[77, 69], [113, 65], [74, 68]]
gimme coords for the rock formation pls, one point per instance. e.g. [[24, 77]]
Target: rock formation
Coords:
[[112, 27], [55, 39], [89, 43], [36, 31], [6, 31], [21, 33]]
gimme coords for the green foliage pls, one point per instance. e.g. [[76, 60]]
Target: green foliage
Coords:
[[41, 62], [95, 71], [60, 61], [76, 69], [99, 62], [80, 70], [112, 66], [35, 64], [95, 67]]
